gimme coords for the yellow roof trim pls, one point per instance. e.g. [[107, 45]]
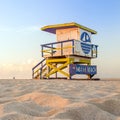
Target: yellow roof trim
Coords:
[[52, 28]]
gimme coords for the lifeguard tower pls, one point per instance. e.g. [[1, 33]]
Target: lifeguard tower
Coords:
[[70, 55]]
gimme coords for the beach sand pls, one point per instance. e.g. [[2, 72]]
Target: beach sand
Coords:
[[59, 100]]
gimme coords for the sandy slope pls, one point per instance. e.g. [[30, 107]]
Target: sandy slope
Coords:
[[59, 100]]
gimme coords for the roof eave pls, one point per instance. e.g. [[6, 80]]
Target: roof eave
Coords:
[[72, 24]]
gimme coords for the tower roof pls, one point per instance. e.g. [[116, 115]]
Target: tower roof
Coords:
[[52, 28]]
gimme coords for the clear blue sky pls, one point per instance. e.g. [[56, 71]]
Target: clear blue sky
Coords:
[[20, 36]]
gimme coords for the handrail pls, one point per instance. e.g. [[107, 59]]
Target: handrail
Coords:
[[34, 70], [51, 49], [42, 66], [57, 48], [38, 64], [57, 42]]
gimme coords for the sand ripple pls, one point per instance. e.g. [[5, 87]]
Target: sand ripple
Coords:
[[59, 100]]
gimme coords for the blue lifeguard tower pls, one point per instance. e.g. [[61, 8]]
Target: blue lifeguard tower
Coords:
[[69, 55]]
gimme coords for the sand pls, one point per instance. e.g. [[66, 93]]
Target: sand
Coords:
[[59, 100]]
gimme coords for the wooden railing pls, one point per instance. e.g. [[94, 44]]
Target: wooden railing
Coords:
[[38, 69], [69, 47], [51, 49]]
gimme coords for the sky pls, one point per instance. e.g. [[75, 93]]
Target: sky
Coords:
[[21, 37]]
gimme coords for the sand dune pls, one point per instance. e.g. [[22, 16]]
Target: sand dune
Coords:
[[59, 100], [45, 99]]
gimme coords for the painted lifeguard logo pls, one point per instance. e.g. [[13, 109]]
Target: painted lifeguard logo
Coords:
[[85, 38]]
